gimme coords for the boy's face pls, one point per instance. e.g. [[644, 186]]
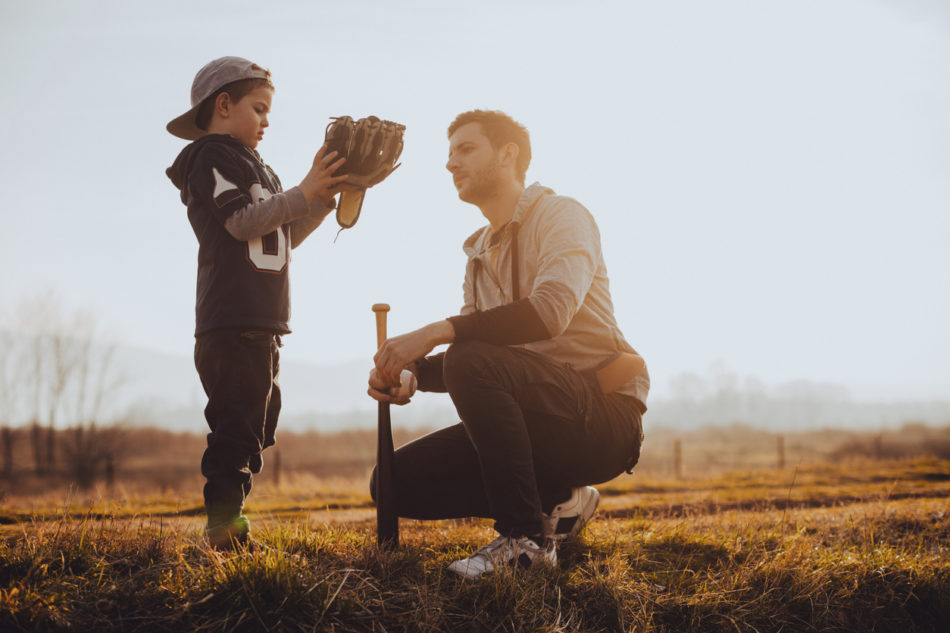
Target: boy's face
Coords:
[[247, 118]]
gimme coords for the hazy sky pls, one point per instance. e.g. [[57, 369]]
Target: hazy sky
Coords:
[[771, 179]]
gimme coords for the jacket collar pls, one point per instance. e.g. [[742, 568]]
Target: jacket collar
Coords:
[[523, 210]]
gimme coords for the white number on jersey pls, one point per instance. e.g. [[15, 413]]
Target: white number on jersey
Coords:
[[268, 252]]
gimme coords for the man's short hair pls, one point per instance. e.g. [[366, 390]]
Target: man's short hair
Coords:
[[500, 129], [237, 89]]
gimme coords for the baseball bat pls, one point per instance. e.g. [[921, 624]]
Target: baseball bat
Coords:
[[387, 523]]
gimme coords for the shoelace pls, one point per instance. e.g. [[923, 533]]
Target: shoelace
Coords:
[[487, 551]]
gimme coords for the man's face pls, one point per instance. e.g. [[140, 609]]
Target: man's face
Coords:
[[474, 163], [248, 117]]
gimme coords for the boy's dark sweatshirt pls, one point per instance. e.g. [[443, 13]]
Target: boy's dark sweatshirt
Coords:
[[246, 226]]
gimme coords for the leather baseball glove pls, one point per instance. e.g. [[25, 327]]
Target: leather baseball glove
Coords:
[[371, 147]]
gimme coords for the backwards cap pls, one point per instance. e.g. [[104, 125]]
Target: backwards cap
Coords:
[[211, 78]]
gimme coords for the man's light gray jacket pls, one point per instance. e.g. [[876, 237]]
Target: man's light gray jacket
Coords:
[[562, 272]]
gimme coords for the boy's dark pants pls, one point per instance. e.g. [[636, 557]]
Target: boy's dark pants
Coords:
[[531, 430], [238, 370]]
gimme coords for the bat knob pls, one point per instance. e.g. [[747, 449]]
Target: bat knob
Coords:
[[380, 307]]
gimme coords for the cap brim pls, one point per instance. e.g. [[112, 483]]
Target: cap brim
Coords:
[[186, 126]]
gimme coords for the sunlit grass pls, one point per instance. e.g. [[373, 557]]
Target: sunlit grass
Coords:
[[842, 548]]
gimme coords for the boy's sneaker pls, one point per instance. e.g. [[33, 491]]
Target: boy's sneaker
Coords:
[[232, 535], [505, 551], [570, 517], [235, 537]]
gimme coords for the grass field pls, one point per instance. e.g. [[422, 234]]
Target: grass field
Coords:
[[857, 546]]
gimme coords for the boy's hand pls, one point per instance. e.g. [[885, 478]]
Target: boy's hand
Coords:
[[320, 181], [344, 187]]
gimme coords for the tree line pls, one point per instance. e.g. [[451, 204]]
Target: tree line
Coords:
[[57, 373]]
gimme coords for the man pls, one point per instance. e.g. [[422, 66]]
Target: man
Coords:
[[549, 393]]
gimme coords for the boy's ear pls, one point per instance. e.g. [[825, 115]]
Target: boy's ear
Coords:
[[222, 105]]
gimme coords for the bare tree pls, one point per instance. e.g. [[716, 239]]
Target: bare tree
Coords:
[[6, 398], [37, 316], [67, 374], [91, 447], [11, 392]]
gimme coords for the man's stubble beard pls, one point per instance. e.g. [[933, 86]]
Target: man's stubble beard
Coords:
[[483, 185]]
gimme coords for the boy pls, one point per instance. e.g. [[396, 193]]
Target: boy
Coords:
[[246, 225]]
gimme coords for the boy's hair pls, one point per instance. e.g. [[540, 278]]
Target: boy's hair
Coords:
[[237, 89], [217, 76], [500, 130]]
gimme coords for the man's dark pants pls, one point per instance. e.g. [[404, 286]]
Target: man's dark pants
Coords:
[[531, 430], [238, 370]]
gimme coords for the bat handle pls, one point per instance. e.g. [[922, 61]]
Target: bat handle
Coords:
[[387, 521], [380, 309]]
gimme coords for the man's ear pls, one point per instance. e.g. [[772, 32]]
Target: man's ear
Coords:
[[222, 105], [509, 154]]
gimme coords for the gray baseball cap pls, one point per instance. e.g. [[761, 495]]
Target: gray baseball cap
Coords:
[[211, 78]]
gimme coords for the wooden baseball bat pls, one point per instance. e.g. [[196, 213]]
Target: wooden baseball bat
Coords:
[[387, 523]]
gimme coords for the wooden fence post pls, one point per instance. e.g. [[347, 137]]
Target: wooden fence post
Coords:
[[781, 452], [8, 440], [36, 439], [877, 446], [110, 470], [51, 449], [678, 459]]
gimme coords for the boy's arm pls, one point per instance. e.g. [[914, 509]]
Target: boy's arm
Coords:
[[223, 183], [265, 216], [302, 227], [223, 186]]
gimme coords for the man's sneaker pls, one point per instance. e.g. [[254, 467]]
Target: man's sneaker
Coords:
[[570, 517], [505, 551]]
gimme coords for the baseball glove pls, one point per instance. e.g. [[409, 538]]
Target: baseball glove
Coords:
[[371, 147]]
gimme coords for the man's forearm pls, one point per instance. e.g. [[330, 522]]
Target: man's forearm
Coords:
[[400, 352], [510, 324]]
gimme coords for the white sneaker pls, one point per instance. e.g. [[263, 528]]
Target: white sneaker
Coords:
[[570, 517], [505, 550]]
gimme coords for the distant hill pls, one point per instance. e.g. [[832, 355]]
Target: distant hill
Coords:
[[332, 388], [163, 390]]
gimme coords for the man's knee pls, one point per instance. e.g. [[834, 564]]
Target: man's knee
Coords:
[[466, 360]]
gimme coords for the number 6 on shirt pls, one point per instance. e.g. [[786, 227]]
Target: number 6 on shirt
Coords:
[[268, 252]]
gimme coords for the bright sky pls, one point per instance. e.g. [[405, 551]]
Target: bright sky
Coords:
[[771, 179]]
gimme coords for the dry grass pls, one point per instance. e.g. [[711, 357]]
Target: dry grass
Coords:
[[862, 546]]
